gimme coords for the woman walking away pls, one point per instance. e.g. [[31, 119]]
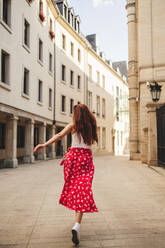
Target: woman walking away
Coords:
[[78, 165]]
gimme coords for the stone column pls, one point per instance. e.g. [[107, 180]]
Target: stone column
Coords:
[[29, 142], [11, 143], [42, 139], [51, 151], [133, 79], [144, 151], [152, 134]]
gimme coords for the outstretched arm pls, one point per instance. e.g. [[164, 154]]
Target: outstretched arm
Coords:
[[56, 137]]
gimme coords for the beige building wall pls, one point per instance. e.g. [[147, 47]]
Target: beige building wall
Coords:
[[27, 120], [117, 129], [146, 64]]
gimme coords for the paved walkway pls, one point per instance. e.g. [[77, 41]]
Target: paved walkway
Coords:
[[130, 198]]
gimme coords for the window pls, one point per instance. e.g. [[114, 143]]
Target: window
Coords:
[[121, 138], [71, 106], [20, 136], [2, 135], [72, 19], [98, 134], [90, 72], [103, 107], [79, 82], [69, 16], [50, 98], [98, 77], [63, 72], [26, 33], [63, 104], [79, 55], [118, 138], [103, 78], [40, 91], [71, 77], [117, 103], [90, 100], [78, 27], [51, 24], [72, 49], [75, 24], [40, 50], [98, 105], [64, 42], [50, 62], [103, 138], [65, 11], [4, 67], [41, 12], [6, 12], [26, 82]]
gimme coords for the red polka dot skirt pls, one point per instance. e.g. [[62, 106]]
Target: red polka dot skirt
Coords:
[[78, 175]]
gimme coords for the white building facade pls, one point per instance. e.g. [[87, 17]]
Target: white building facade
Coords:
[[44, 69]]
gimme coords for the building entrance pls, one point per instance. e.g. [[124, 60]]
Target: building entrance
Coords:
[[161, 134]]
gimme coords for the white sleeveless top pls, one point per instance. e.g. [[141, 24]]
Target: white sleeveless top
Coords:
[[76, 142]]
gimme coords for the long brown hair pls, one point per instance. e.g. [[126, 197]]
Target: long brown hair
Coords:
[[85, 124]]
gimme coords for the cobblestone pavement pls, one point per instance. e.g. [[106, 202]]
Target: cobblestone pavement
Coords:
[[130, 198]]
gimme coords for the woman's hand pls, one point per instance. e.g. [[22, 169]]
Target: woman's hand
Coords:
[[39, 146]]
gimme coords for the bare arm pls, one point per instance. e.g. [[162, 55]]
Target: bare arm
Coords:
[[59, 135], [56, 137]]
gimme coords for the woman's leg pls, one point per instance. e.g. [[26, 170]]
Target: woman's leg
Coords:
[[78, 216]]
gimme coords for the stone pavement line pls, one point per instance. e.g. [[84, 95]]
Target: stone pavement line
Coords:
[[130, 198], [37, 217]]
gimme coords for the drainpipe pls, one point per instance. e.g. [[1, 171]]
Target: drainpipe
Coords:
[[54, 103]]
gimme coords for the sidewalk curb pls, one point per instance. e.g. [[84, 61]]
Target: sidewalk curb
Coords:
[[158, 169]]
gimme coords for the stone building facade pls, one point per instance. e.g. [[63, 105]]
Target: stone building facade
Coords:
[[44, 68], [146, 39]]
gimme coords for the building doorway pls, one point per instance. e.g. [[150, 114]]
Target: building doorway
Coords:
[[59, 144], [161, 134]]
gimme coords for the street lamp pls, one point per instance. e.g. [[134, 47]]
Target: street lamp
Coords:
[[155, 90]]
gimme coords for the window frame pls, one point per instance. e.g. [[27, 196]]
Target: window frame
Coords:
[[28, 79], [40, 54], [71, 78], [50, 62], [6, 23], [79, 55], [63, 73], [63, 104], [72, 49], [40, 91], [27, 45], [50, 98], [71, 105], [64, 42], [79, 82], [6, 66]]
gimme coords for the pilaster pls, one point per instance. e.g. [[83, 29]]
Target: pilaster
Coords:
[[11, 143], [42, 139], [152, 134], [29, 141], [133, 78]]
